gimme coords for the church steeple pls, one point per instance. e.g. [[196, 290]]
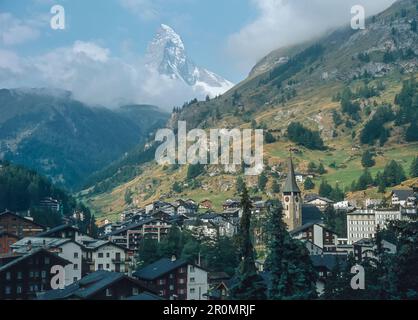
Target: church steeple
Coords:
[[292, 200], [291, 185]]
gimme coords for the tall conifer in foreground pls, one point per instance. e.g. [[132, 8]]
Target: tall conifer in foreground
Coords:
[[292, 276], [249, 284]]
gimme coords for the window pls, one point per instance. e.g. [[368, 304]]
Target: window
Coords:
[[19, 275], [8, 276], [192, 269], [8, 290], [161, 282], [135, 291], [47, 260], [100, 267], [107, 255], [192, 280], [181, 291], [30, 274], [171, 287], [75, 279], [192, 290], [43, 274], [75, 255], [75, 266], [100, 255], [107, 266], [108, 293], [18, 289], [181, 281]]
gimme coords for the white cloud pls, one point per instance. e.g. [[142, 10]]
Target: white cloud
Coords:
[[145, 9], [281, 23], [94, 76], [91, 51], [14, 31]]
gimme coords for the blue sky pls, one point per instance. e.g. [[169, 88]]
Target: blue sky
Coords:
[[98, 55], [119, 26]]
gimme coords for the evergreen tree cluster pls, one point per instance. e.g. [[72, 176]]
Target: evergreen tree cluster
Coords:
[[216, 255], [310, 139], [22, 190], [407, 100], [387, 276], [392, 175], [333, 193], [375, 128]]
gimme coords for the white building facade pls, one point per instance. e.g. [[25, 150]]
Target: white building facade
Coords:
[[197, 283]]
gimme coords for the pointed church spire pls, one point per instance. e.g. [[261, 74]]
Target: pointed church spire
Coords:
[[290, 184]]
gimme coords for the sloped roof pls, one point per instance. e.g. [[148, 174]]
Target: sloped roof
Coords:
[[87, 286], [308, 225], [57, 229], [403, 194], [290, 184], [159, 268], [311, 214], [23, 257], [7, 212], [21, 245]]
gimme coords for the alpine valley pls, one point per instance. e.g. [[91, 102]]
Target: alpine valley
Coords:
[[329, 100]]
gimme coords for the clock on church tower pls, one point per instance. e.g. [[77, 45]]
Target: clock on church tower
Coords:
[[292, 200]]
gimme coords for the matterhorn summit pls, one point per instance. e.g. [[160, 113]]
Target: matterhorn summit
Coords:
[[167, 55]]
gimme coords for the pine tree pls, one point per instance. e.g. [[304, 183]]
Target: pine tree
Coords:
[[249, 284], [275, 187], [292, 274], [262, 181], [367, 159], [414, 168], [147, 252], [240, 185], [309, 184], [321, 169], [325, 189], [334, 282]]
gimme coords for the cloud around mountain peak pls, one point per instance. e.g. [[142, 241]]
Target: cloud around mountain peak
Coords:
[[166, 76]]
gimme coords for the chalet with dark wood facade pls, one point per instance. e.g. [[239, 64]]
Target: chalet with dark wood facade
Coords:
[[100, 285], [22, 227], [6, 240], [24, 276]]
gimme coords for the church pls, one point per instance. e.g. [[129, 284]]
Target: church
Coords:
[[295, 213]]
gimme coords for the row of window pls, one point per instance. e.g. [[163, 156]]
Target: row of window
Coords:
[[357, 229], [361, 235], [179, 291], [19, 289], [367, 222], [32, 274]]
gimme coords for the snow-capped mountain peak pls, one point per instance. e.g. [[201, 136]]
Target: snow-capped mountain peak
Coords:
[[167, 55]]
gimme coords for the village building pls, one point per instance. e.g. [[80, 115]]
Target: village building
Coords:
[[14, 224], [100, 285], [24, 276], [176, 279], [64, 248]]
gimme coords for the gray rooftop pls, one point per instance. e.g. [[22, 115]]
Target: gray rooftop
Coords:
[[159, 268], [86, 287], [21, 245]]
